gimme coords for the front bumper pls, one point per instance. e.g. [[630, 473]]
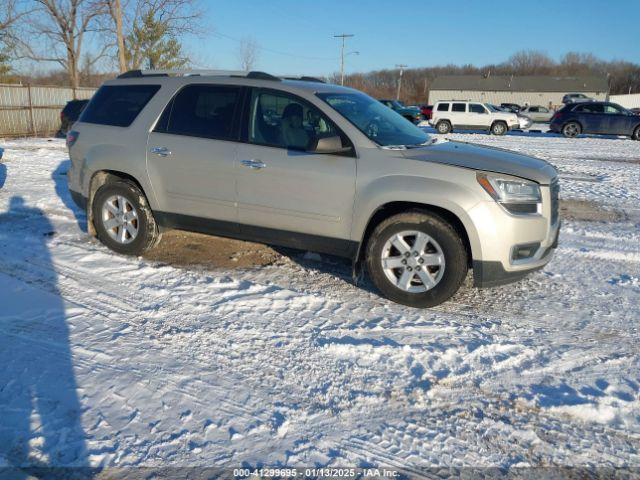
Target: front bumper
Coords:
[[511, 246], [488, 274]]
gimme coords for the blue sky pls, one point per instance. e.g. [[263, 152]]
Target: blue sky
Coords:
[[297, 36]]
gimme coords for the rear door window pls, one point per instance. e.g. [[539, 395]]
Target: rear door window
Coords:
[[118, 105], [459, 107], [206, 111], [590, 108]]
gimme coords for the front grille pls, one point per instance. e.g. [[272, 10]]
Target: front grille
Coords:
[[554, 189]]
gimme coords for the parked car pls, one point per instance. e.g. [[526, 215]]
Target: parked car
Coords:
[[463, 115], [339, 174], [576, 98], [511, 107], [635, 111], [426, 111], [524, 121], [410, 113], [69, 115], [596, 117], [537, 113]]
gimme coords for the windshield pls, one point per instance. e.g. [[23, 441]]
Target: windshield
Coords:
[[379, 123], [493, 108]]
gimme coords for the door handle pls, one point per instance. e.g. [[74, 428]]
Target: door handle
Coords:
[[162, 151], [253, 164]]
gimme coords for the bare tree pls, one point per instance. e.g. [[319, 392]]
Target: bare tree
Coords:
[[58, 30], [247, 53], [115, 12], [11, 15], [530, 62]]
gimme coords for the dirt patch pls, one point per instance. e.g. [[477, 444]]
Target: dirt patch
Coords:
[[589, 211], [181, 249]]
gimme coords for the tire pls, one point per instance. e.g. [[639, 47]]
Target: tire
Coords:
[[636, 133], [114, 202], [499, 128], [571, 130], [443, 126], [444, 254]]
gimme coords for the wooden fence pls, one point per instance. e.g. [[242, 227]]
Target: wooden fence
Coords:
[[27, 110]]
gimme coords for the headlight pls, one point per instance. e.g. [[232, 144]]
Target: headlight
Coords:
[[515, 194]]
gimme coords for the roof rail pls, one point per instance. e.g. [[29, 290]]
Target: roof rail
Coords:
[[305, 78], [190, 73]]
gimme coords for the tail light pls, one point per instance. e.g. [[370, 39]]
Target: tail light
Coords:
[[72, 138], [555, 116]]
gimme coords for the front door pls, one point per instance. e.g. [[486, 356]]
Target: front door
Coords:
[[191, 154], [617, 120], [478, 116], [283, 189]]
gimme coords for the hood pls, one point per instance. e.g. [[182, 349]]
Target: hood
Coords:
[[489, 159], [410, 109]]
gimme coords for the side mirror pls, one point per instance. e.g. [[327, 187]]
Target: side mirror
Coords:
[[329, 145]]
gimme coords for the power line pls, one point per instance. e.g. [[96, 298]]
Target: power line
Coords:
[[343, 36]]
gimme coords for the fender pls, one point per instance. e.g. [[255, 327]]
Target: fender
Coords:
[[451, 196], [117, 158]]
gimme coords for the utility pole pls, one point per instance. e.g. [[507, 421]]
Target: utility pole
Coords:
[[401, 67], [342, 36]]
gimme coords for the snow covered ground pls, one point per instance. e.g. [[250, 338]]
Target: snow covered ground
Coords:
[[115, 361]]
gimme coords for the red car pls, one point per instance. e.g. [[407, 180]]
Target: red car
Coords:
[[426, 111]]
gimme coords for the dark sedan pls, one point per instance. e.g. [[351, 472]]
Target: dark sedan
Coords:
[[595, 117]]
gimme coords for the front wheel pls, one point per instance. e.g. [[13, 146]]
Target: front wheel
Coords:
[[499, 128], [123, 219], [416, 259], [636, 134]]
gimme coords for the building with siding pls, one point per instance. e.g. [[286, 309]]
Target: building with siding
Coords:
[[533, 90], [627, 101]]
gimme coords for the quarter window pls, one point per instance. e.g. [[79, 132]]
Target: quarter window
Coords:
[[118, 105], [459, 107], [202, 111], [443, 107]]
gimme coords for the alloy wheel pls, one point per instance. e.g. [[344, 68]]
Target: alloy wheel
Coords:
[[120, 219], [413, 261]]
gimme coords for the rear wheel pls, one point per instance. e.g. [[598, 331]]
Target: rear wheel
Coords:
[[416, 259], [123, 219], [443, 126], [636, 133], [571, 130], [499, 128]]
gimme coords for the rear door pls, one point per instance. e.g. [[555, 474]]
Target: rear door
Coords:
[[192, 151], [592, 118], [281, 186], [458, 115]]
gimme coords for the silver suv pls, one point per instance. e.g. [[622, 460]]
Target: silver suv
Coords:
[[309, 165]]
